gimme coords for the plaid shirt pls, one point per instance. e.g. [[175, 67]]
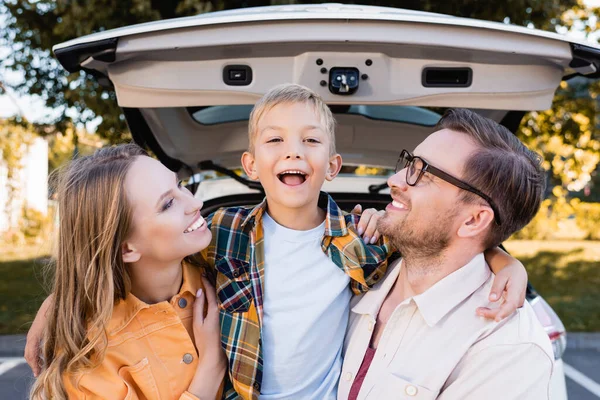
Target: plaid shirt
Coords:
[[237, 253]]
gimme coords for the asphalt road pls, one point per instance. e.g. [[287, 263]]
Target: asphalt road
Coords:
[[15, 380]]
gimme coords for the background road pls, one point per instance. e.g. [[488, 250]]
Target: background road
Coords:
[[15, 379]]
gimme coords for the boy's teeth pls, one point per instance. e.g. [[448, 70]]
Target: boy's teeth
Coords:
[[397, 204]]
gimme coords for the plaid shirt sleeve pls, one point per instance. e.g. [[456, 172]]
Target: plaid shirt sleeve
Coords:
[[372, 259]]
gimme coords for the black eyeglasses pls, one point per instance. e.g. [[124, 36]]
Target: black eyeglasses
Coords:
[[416, 167]]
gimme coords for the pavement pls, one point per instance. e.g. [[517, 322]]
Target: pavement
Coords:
[[581, 361]]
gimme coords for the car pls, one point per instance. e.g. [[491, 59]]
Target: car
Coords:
[[186, 87]]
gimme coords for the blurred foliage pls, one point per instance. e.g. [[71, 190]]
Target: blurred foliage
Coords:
[[15, 138], [63, 146], [588, 219], [562, 218], [34, 223], [25, 224], [567, 134]]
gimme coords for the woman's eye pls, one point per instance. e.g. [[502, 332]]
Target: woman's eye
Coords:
[[311, 140], [168, 205], [274, 140]]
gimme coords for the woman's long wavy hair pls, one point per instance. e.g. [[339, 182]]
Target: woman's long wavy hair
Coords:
[[90, 275]]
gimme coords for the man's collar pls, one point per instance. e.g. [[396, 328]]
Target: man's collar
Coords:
[[371, 302], [335, 224], [435, 303], [125, 310], [449, 292]]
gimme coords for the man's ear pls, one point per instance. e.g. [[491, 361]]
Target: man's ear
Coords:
[[129, 253], [477, 221], [249, 165], [335, 165]]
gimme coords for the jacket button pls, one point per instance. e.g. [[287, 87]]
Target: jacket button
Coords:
[[376, 276], [256, 385], [182, 303], [236, 273], [188, 358], [348, 376], [411, 390], [370, 327]]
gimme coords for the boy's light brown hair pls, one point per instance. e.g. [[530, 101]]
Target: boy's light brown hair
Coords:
[[291, 93]]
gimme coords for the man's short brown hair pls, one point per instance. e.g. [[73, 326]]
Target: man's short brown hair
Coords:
[[503, 168]]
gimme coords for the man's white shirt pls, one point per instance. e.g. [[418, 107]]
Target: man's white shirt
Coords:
[[434, 346]]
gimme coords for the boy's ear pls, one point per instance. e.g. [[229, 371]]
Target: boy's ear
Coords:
[[248, 165], [335, 165], [129, 253]]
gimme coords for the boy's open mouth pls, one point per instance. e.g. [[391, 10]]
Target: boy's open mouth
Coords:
[[292, 177]]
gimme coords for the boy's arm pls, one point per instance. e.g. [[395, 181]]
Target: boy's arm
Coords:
[[510, 283], [373, 259]]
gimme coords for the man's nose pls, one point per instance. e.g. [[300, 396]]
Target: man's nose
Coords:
[[398, 180]]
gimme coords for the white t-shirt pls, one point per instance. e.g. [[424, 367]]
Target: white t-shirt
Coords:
[[306, 308]]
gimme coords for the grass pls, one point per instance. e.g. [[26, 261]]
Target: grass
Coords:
[[565, 273], [21, 288]]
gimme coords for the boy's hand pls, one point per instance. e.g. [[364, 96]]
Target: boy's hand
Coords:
[[509, 284], [367, 226]]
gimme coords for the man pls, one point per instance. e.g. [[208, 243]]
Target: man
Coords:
[[468, 187]]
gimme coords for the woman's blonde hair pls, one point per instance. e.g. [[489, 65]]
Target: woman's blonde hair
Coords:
[[90, 275], [291, 93]]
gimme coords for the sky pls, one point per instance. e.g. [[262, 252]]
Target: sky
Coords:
[[32, 107]]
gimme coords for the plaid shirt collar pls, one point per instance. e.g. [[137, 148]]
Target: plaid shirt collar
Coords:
[[335, 224]]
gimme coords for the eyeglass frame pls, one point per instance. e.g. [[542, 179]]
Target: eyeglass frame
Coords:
[[405, 154]]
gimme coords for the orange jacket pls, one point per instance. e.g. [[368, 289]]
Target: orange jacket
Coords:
[[151, 352]]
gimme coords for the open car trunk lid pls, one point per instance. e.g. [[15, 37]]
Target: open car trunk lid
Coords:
[[169, 75]]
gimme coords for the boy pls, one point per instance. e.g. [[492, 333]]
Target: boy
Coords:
[[283, 326]]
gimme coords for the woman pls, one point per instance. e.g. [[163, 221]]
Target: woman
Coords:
[[129, 318]]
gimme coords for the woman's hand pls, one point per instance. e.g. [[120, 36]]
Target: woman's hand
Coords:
[[367, 226], [34, 337], [207, 333]]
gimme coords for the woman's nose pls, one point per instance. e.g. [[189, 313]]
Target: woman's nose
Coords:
[[194, 206]]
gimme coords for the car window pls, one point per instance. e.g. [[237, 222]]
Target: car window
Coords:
[[212, 115]]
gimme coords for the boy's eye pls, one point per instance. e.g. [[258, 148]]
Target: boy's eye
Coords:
[[312, 140], [274, 140]]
